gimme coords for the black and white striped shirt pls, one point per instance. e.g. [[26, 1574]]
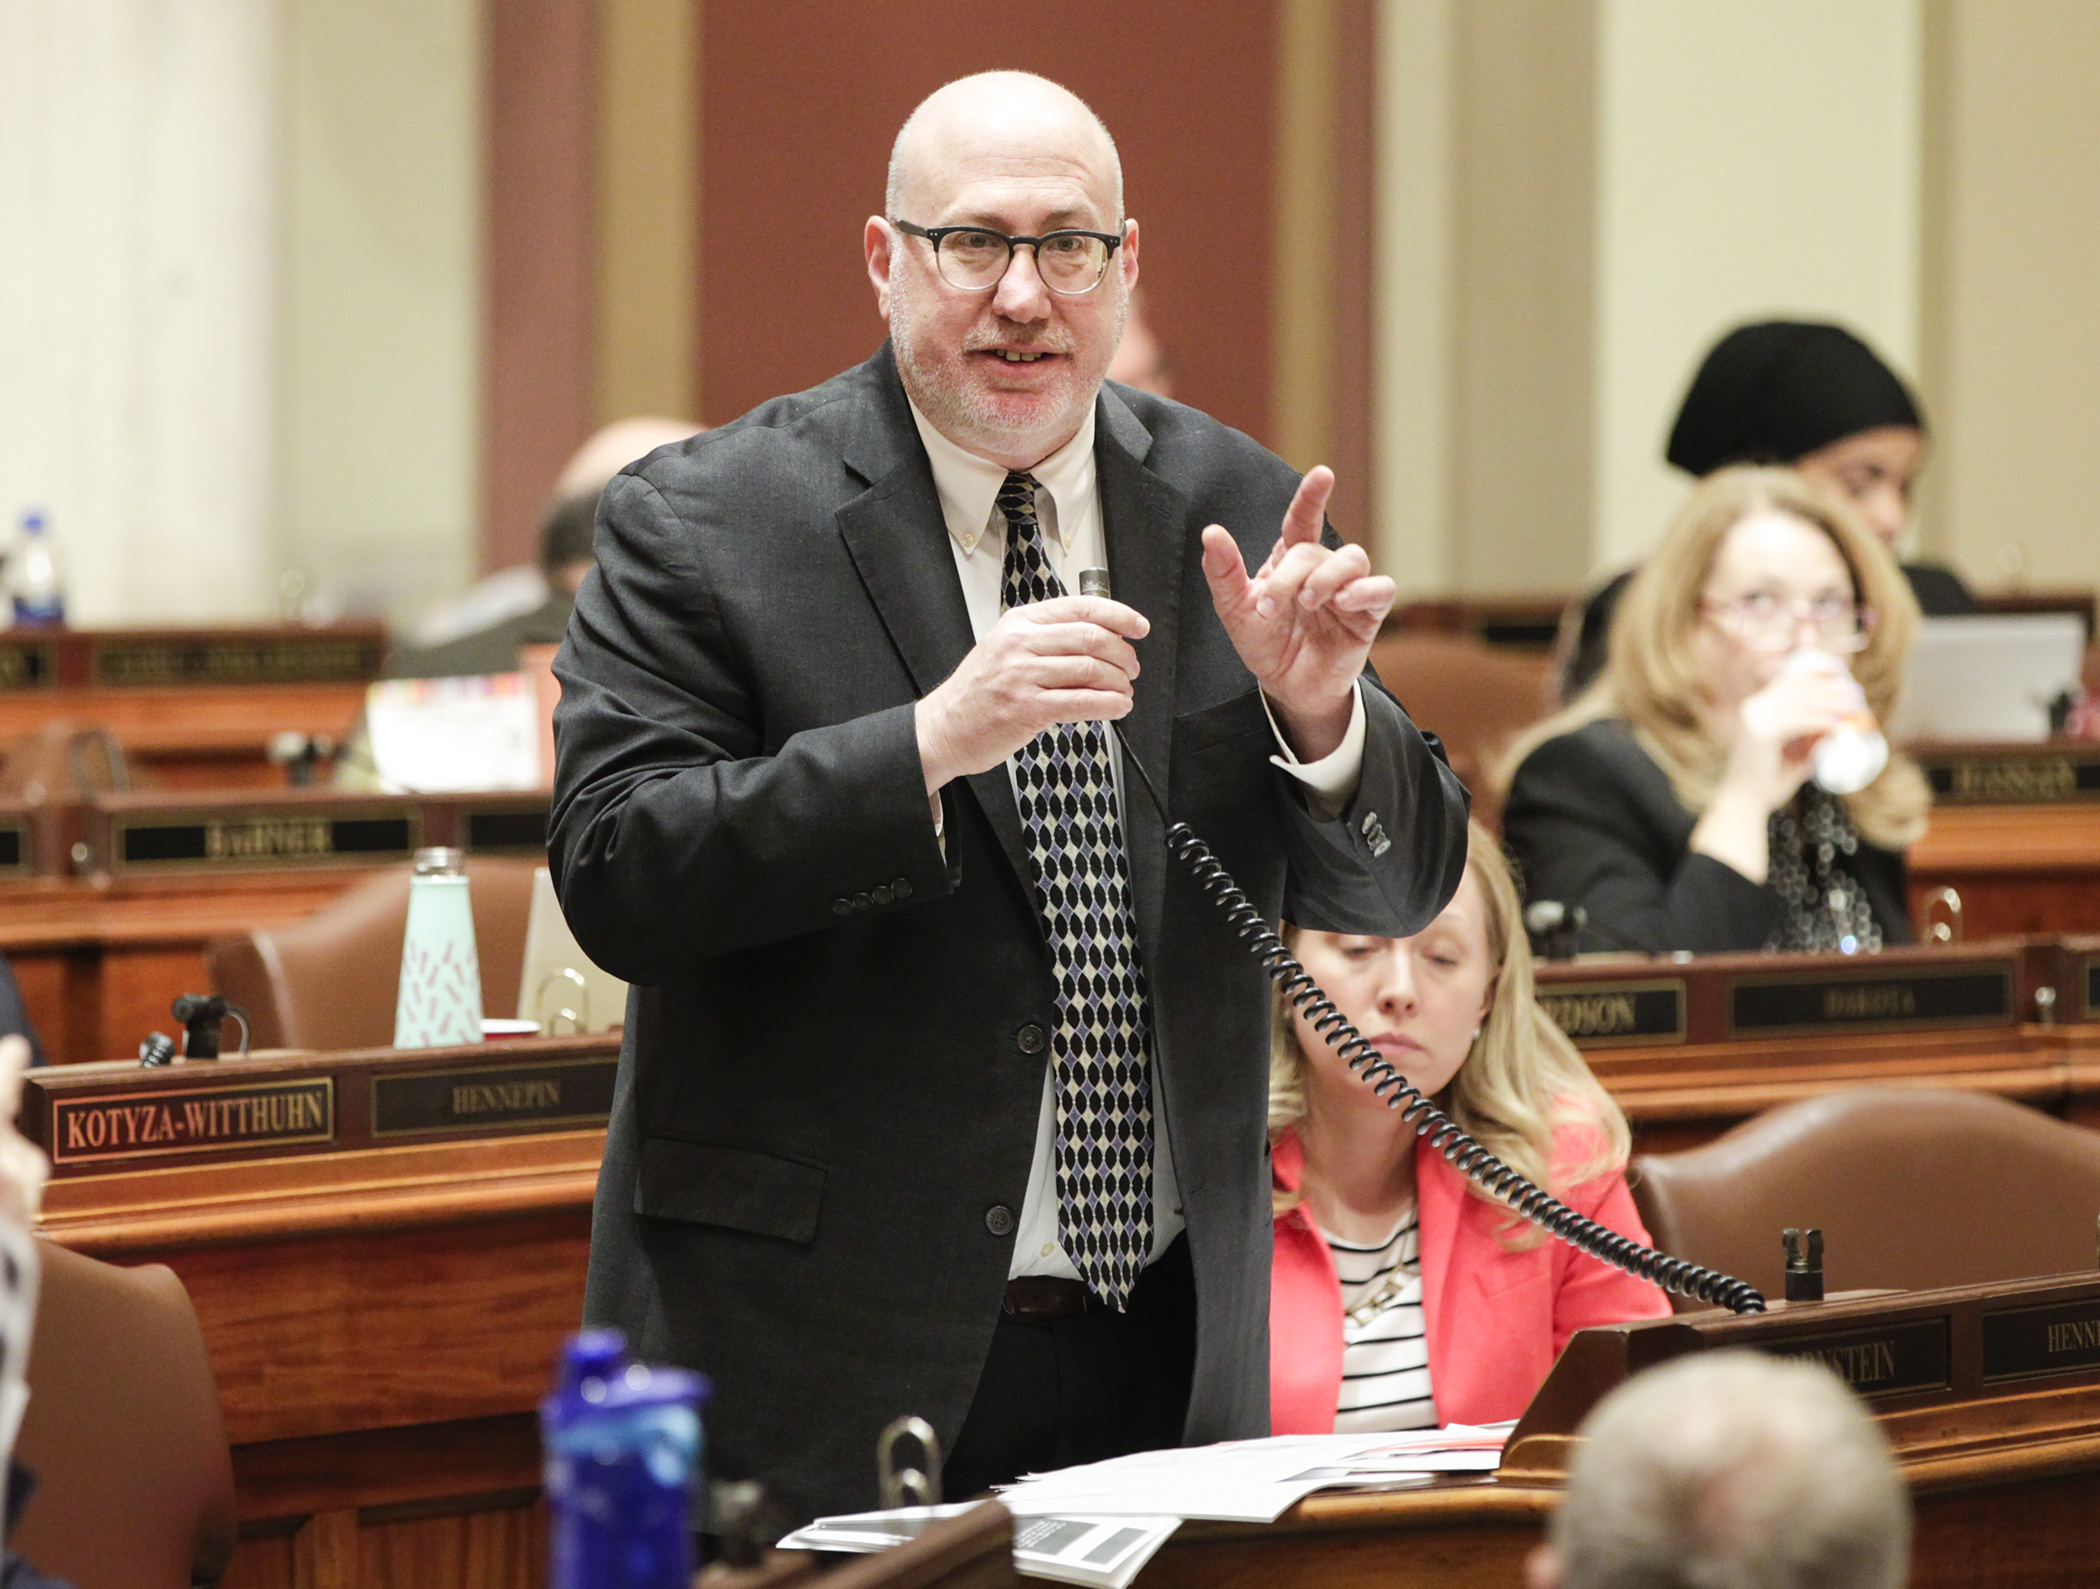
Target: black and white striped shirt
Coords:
[[1385, 1355]]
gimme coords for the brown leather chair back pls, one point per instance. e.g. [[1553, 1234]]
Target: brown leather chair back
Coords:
[[1475, 697], [134, 1482], [1911, 1188], [329, 982]]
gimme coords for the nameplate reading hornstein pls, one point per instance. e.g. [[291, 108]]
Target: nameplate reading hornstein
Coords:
[[1612, 1014], [1881, 1001], [1899, 1360], [532, 1097], [168, 1124]]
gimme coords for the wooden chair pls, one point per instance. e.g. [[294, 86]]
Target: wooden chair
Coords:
[[134, 1481], [329, 982], [1910, 1187]]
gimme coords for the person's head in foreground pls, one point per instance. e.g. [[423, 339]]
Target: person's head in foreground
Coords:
[[1004, 264], [1812, 396], [1761, 564], [1729, 1470], [1453, 1010]]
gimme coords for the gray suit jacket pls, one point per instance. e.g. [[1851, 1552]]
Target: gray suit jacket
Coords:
[[832, 1070]]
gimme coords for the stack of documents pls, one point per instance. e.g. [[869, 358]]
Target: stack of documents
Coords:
[[1100, 1523], [1103, 1552]]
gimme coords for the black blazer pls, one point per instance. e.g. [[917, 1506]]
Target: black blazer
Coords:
[[1593, 821], [828, 1092]]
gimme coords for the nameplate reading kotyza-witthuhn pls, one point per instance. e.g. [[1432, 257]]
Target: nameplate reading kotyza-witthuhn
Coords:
[[1889, 1001], [1607, 1014], [131, 1125]]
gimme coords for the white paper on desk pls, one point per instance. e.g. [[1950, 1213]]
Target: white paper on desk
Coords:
[[455, 736], [1099, 1552], [1252, 1481]]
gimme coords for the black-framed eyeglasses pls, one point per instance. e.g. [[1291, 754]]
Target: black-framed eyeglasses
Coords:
[[975, 257]]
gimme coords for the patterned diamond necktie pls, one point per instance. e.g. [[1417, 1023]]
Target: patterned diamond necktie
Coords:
[[1099, 1050]]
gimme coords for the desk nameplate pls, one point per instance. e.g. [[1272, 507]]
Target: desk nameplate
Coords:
[[1904, 1359], [503, 830], [2089, 985], [1617, 1014], [28, 665], [182, 662], [1893, 999], [17, 850], [2036, 777], [529, 1096], [262, 840], [2027, 1343], [94, 1128]]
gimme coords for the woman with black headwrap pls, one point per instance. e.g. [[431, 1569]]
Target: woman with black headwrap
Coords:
[[1811, 396]]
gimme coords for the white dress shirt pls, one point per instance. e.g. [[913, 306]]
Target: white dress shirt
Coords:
[[1068, 510]]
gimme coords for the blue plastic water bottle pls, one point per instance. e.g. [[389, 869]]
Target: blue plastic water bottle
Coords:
[[622, 1444]]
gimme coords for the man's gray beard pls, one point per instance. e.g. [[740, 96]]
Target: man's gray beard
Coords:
[[962, 411]]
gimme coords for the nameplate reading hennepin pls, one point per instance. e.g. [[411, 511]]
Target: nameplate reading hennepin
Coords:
[[1896, 1361], [129, 1125], [2021, 1343], [1886, 1001], [1606, 1014], [540, 1097]]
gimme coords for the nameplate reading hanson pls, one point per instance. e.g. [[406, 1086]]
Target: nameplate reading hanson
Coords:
[[248, 841], [494, 1097], [2020, 1343], [1896, 1361], [1881, 1001], [1607, 1014], [133, 1125]]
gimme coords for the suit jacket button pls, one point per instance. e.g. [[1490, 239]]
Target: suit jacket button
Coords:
[[999, 1220], [880, 895], [861, 902], [1029, 1039], [901, 888], [842, 906]]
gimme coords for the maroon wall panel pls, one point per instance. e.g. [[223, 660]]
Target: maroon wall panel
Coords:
[[537, 258], [801, 98]]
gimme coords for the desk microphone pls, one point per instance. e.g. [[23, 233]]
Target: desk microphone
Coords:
[[1554, 927], [1437, 1129]]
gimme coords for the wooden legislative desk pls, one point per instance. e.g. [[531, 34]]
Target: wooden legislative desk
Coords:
[[2016, 833], [107, 916], [382, 1321], [192, 708]]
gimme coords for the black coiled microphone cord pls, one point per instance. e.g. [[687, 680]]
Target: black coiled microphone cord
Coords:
[[1435, 1127]]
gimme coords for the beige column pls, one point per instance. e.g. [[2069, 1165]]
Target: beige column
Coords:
[[2012, 353], [379, 358], [138, 146]]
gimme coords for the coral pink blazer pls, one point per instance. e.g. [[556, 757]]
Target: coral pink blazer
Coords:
[[1496, 1319]]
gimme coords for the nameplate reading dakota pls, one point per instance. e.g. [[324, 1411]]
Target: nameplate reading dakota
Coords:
[[1896, 1361], [133, 1125], [2020, 1343], [263, 841], [1888, 1001], [493, 1097], [1602, 1014]]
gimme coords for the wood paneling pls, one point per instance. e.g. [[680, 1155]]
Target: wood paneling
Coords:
[[538, 263], [801, 100], [2018, 869]]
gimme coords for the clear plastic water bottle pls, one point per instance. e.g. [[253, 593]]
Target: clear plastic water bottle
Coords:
[[1852, 754], [40, 598], [622, 1451]]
